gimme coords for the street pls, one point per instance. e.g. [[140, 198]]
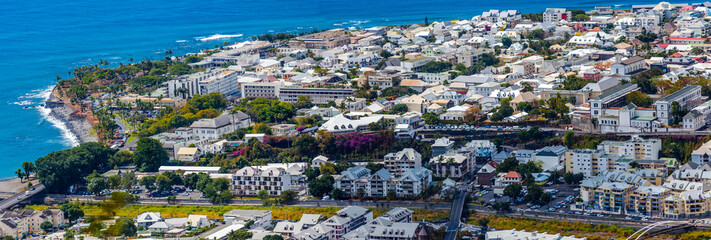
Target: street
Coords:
[[455, 215]]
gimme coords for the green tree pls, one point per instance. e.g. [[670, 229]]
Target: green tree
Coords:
[[148, 182], [46, 226], [581, 18], [534, 193], [321, 186], [638, 98], [509, 164], [569, 139], [288, 196], [512, 190], [123, 227], [28, 167], [97, 184], [121, 158], [273, 237], [506, 41], [264, 196], [149, 155], [696, 51], [573, 178], [239, 235], [72, 211]]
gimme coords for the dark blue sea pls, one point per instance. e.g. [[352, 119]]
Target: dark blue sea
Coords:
[[41, 39]]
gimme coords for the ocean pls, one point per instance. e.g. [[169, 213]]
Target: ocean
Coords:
[[40, 40]]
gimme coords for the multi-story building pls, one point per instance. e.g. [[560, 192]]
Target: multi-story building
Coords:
[[702, 155], [612, 197], [442, 146], [383, 80], [402, 161], [628, 66], [348, 219], [347, 180], [316, 95], [413, 182], [648, 201], [248, 181], [214, 80], [452, 165], [268, 90], [687, 204], [636, 148], [358, 180], [415, 65], [589, 162], [22, 223], [215, 127], [321, 40], [684, 97], [614, 97], [554, 15]]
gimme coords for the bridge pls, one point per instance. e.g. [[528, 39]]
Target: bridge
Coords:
[[659, 228], [20, 197], [455, 215]]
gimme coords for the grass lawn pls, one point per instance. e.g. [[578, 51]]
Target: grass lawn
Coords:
[[590, 231], [278, 212]]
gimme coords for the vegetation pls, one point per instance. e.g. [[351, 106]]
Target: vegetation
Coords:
[[61, 169], [149, 155], [590, 231]]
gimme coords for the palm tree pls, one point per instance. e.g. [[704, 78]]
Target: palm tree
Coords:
[[19, 174]]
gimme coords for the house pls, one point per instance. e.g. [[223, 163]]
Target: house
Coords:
[[486, 174], [342, 124], [319, 161], [188, 154], [261, 218], [148, 218], [284, 129], [413, 182], [198, 221], [510, 178], [628, 66]]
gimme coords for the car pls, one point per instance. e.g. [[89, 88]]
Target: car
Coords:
[[492, 200], [551, 209], [186, 194], [561, 211]]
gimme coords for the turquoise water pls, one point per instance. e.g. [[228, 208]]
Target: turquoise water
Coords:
[[42, 39]]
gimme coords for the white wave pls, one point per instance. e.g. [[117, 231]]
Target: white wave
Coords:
[[619, 5], [181, 41], [70, 139], [219, 36], [37, 94], [23, 103]]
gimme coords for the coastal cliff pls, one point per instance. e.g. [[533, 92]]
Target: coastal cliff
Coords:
[[80, 126]]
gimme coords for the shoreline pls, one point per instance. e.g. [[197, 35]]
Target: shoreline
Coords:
[[78, 126]]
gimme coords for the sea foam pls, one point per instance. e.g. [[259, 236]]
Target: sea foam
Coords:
[[70, 139], [219, 36]]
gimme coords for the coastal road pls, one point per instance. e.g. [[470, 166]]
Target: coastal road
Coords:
[[20, 197], [455, 215]]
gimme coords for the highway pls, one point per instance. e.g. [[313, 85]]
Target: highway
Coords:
[[455, 215], [20, 197]]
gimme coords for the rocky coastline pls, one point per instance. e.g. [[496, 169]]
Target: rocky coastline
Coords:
[[79, 126]]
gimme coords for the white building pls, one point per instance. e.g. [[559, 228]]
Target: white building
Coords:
[[216, 127], [554, 15], [402, 161], [250, 180]]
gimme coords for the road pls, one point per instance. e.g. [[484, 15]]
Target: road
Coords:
[[20, 197], [455, 215]]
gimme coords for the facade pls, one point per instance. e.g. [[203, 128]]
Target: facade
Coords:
[[402, 161], [316, 95], [216, 127], [554, 15], [248, 181], [451, 165], [683, 97], [415, 65], [321, 40], [358, 180], [22, 223], [636, 148]]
